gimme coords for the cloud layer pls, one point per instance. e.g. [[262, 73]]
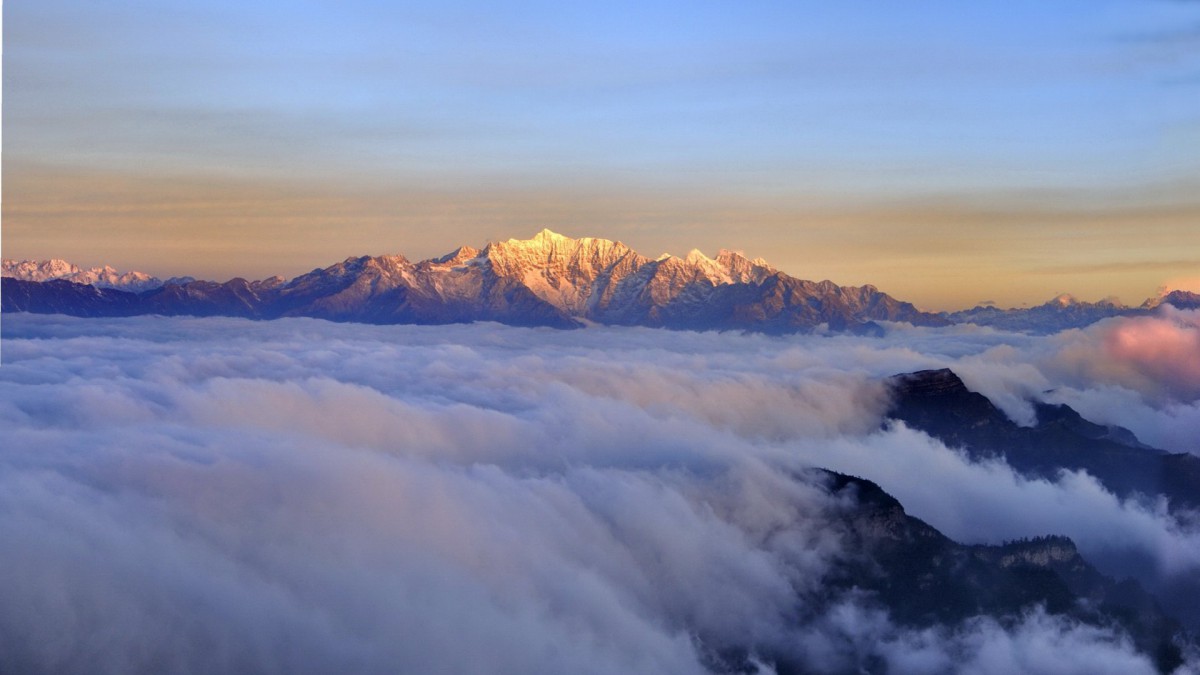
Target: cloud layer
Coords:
[[186, 495]]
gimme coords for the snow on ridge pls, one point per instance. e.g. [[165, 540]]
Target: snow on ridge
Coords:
[[100, 277]]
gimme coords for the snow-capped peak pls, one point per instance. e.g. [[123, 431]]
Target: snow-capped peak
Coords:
[[100, 277], [547, 234], [38, 270], [544, 240]]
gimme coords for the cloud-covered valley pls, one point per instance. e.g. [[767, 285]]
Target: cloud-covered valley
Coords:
[[200, 495]]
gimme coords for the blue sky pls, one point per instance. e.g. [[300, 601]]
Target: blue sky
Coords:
[[810, 133]]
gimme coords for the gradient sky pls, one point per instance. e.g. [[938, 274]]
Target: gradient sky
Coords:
[[949, 152]]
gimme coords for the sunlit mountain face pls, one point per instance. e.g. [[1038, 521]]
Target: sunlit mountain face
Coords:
[[192, 494]]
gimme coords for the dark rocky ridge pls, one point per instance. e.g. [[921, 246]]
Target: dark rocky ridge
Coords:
[[938, 403], [924, 579], [929, 579]]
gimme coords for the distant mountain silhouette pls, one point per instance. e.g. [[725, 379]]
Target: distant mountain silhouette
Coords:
[[1065, 312]]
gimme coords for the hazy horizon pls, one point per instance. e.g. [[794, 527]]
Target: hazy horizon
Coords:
[[948, 154]]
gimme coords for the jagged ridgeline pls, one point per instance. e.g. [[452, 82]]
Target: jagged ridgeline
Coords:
[[549, 280]]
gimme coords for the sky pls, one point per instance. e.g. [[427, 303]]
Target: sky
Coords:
[[950, 153]]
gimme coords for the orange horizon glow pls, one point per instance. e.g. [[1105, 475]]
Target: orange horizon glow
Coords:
[[940, 254]]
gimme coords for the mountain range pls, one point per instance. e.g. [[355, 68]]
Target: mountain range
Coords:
[[548, 280], [100, 277], [1065, 311]]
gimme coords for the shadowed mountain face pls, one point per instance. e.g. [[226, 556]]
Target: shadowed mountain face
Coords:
[[58, 296], [938, 403], [924, 579], [549, 280]]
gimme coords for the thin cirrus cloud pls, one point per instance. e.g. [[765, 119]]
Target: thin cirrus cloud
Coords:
[[402, 92], [300, 496]]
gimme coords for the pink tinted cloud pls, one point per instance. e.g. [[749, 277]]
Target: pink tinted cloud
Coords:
[[1157, 356], [1163, 350]]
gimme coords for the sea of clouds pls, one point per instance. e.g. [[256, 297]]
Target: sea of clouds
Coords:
[[221, 495]]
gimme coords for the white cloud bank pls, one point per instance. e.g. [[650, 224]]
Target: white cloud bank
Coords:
[[199, 495]]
